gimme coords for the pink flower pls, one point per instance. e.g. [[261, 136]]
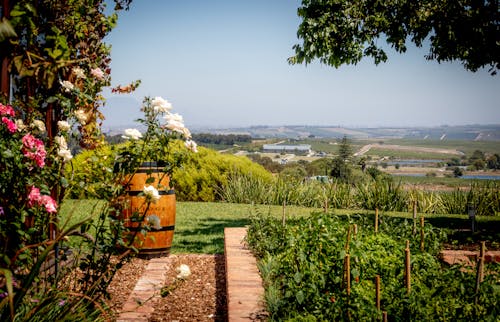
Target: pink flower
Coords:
[[49, 204], [6, 110], [37, 199], [34, 149], [34, 197], [97, 73], [11, 125]]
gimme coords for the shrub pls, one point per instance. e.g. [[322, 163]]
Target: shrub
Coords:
[[200, 178]]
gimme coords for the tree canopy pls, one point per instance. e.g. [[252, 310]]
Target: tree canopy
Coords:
[[339, 32]]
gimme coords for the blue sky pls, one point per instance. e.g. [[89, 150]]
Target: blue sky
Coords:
[[224, 64]]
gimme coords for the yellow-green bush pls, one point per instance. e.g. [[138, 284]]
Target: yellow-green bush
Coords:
[[205, 173]]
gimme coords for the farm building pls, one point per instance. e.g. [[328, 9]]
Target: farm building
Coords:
[[296, 149]]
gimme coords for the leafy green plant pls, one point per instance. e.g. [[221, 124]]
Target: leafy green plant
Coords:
[[304, 270]]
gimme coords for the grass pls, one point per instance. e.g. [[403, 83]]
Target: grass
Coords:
[[200, 225]]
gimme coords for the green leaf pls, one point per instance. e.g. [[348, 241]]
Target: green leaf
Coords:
[[297, 277], [6, 30], [300, 296]]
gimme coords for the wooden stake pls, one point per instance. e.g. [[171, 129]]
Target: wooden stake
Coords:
[[376, 220], [283, 216], [414, 217], [407, 268], [348, 273], [384, 316], [355, 232], [377, 291], [422, 235], [480, 266], [348, 239]]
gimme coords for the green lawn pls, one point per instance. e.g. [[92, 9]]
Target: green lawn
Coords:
[[199, 226]]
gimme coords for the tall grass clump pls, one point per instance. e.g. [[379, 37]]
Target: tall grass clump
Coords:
[[484, 198], [383, 194], [245, 188]]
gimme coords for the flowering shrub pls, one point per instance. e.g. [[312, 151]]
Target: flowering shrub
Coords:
[[163, 128], [28, 171]]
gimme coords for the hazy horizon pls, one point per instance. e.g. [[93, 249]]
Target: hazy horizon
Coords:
[[224, 64]]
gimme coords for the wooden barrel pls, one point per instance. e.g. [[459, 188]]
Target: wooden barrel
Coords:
[[150, 228]]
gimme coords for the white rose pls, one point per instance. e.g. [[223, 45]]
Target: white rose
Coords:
[[78, 72], [132, 134], [173, 117], [175, 127], [67, 86], [81, 116], [191, 145], [183, 271], [61, 142], [20, 125], [161, 105], [151, 194], [63, 126], [65, 154], [37, 124]]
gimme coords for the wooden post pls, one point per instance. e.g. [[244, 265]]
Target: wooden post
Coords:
[[480, 266], [377, 292], [283, 216], [384, 316], [414, 217], [407, 268], [348, 273], [348, 239], [422, 235], [376, 220], [355, 230]]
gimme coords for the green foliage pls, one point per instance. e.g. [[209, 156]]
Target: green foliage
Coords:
[[341, 32], [382, 193], [303, 267], [200, 178]]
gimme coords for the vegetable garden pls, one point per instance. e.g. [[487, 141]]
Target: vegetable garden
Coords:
[[328, 268]]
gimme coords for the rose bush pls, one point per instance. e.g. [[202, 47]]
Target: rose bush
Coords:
[[29, 169]]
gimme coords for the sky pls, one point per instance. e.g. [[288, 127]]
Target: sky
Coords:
[[223, 63]]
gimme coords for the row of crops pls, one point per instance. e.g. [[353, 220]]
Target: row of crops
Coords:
[[329, 268], [383, 194]]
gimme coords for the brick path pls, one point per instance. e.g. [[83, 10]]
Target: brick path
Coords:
[[139, 305], [244, 285]]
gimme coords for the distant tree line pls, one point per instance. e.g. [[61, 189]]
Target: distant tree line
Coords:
[[223, 139], [477, 161]]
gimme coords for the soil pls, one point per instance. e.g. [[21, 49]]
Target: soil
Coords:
[[201, 297]]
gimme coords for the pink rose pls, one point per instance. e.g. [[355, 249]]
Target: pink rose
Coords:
[[49, 203], [6, 110], [34, 197], [97, 73], [37, 199], [34, 149], [11, 125]]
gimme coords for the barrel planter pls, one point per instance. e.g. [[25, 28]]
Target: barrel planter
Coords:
[[149, 228]]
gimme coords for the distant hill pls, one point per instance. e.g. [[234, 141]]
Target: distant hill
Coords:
[[462, 132]]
